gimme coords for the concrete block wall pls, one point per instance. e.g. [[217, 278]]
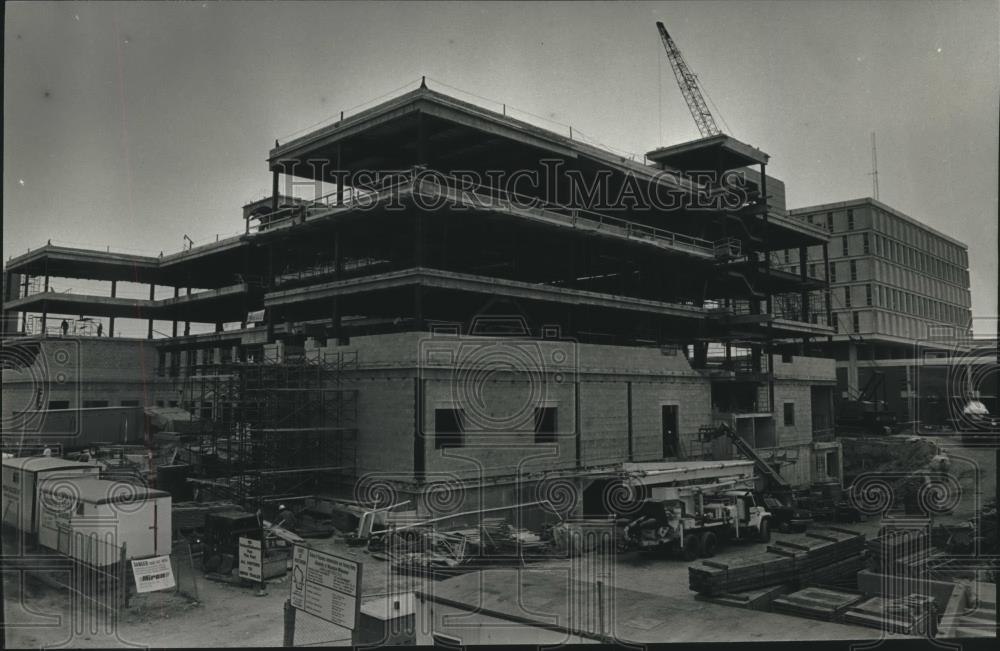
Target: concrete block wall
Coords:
[[800, 395], [75, 370], [603, 422], [391, 364], [694, 400], [385, 425], [812, 369], [490, 450]]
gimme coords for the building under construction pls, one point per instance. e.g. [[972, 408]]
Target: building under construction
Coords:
[[465, 298]]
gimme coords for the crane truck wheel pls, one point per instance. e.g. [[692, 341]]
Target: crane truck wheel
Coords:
[[764, 533], [690, 550], [707, 544]]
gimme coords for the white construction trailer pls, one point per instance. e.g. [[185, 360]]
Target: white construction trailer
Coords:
[[21, 479], [90, 519]]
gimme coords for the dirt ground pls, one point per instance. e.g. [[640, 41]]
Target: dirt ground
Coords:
[[231, 615]]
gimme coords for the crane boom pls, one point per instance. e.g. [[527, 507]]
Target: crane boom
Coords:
[[689, 86]]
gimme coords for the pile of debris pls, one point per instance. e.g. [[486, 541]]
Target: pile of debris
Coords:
[[419, 550], [823, 556]]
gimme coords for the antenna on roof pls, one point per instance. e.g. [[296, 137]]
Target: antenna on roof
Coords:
[[874, 172]]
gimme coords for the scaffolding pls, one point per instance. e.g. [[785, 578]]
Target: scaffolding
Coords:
[[275, 428]]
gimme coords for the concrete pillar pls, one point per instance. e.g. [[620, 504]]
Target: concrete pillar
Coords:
[[826, 277], [111, 320], [25, 282], [187, 324], [335, 326], [911, 401], [274, 191], [340, 179], [184, 356], [173, 329], [152, 295], [852, 369]]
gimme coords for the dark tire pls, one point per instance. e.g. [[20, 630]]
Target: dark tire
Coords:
[[764, 533], [690, 550], [707, 544]]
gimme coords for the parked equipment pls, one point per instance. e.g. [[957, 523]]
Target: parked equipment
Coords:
[[693, 520], [867, 413], [690, 507], [221, 538]]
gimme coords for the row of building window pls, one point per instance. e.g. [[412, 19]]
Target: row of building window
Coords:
[[898, 229], [907, 303], [915, 259], [855, 322], [829, 220]]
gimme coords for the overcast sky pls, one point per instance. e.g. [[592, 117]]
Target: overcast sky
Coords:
[[129, 125]]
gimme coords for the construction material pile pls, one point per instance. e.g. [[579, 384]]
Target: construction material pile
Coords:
[[823, 556], [913, 614], [817, 603], [901, 553], [494, 542]]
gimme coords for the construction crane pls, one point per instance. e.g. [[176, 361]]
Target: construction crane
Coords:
[[688, 83]]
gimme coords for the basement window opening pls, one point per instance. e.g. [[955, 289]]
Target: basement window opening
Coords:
[[545, 424], [448, 430]]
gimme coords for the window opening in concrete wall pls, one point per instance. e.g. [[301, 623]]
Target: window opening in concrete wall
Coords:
[[671, 442], [448, 431], [545, 424]]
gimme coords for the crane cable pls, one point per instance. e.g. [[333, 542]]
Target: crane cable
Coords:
[[729, 129]]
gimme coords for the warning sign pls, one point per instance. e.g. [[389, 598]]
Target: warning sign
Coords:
[[326, 586], [250, 559], [152, 574]]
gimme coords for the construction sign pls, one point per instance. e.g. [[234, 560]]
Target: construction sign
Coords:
[[152, 574], [251, 559], [326, 586]]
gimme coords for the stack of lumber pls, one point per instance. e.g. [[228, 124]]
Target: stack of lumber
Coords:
[[759, 599], [817, 603], [796, 559], [908, 615], [899, 555], [752, 571]]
